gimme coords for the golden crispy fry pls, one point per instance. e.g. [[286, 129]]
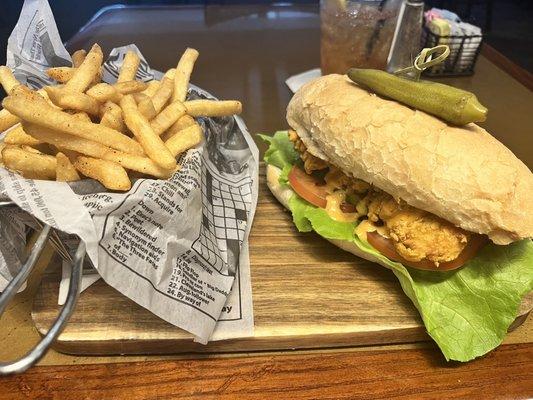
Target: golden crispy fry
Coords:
[[108, 173], [91, 148], [141, 129], [184, 122], [2, 147], [109, 106], [7, 79], [140, 164], [129, 67], [104, 92], [65, 171], [185, 139], [163, 94], [151, 88], [130, 87], [183, 74], [39, 95], [146, 107], [30, 149], [87, 71], [28, 163], [23, 90], [180, 124], [72, 100], [166, 118], [212, 108], [61, 74], [40, 113], [53, 92], [139, 96], [112, 117], [17, 136], [170, 74], [82, 116], [64, 74], [7, 120], [78, 57]]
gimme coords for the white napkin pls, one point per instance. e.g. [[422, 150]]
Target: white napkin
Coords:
[[295, 82]]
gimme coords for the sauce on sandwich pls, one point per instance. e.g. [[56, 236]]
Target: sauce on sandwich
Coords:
[[334, 202], [397, 230]]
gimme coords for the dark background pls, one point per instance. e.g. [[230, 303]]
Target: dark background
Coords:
[[508, 24]]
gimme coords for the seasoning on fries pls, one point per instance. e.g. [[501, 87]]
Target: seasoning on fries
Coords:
[[65, 171], [83, 127]]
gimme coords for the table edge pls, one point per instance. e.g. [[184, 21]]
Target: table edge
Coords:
[[517, 72]]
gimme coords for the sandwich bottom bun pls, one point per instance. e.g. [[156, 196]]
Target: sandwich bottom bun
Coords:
[[283, 195]]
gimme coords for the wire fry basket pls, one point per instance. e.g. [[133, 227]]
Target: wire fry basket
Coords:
[[47, 234], [464, 51]]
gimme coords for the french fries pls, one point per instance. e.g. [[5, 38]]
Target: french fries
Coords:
[[130, 87], [108, 173], [163, 94], [7, 79], [103, 92], [7, 120], [185, 139], [87, 128], [65, 171], [112, 117], [129, 67], [78, 57], [166, 118], [183, 74], [86, 72], [29, 164], [180, 124], [40, 113], [151, 143], [212, 108], [65, 74], [2, 147], [170, 74], [73, 100], [82, 116], [17, 136], [61, 74], [151, 88], [93, 149], [146, 106]]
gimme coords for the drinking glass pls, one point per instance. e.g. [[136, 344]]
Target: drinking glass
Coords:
[[356, 33]]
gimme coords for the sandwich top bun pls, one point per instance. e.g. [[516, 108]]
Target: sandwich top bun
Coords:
[[461, 174]]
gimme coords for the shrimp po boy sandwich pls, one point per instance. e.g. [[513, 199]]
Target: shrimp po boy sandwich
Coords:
[[447, 208]]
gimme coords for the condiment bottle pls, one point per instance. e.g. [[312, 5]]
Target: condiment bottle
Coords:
[[406, 41]]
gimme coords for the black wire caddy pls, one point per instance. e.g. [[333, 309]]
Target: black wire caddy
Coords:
[[464, 51]]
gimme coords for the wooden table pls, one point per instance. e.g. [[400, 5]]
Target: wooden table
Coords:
[[247, 52]]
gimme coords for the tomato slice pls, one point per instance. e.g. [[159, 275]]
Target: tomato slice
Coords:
[[308, 187], [386, 247]]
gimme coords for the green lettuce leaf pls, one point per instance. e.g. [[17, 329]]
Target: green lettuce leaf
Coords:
[[307, 217], [467, 311], [281, 153]]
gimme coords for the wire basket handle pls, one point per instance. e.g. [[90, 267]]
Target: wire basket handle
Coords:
[[34, 355]]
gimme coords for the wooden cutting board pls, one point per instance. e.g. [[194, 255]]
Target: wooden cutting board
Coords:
[[307, 293]]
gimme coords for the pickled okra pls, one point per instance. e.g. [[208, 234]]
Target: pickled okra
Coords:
[[451, 104]]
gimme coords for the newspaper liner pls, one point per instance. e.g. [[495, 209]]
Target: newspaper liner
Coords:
[[176, 247]]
